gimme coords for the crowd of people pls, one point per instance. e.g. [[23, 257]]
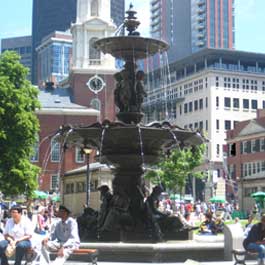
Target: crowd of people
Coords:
[[56, 233], [54, 230]]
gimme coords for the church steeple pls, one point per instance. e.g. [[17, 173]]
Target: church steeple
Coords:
[[93, 21]]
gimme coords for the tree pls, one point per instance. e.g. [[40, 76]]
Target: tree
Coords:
[[19, 126], [174, 169]]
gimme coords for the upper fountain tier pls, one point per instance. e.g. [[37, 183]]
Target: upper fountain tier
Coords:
[[131, 46]]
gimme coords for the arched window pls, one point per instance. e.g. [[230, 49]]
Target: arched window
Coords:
[[35, 156], [95, 104], [94, 8], [55, 150], [94, 54]]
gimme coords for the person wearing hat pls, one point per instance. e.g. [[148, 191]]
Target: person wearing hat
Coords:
[[64, 239]]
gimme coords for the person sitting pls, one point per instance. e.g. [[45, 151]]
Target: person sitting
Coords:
[[208, 225], [248, 225], [255, 240], [187, 222], [218, 225], [41, 223], [18, 231], [64, 239]]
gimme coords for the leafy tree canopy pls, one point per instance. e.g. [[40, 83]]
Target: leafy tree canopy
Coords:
[[19, 126], [174, 169]]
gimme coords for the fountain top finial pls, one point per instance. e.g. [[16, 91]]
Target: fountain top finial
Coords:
[[131, 23]]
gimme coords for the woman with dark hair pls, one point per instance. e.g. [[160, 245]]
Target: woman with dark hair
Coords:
[[17, 232]]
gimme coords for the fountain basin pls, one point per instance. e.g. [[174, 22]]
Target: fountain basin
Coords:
[[122, 140], [124, 47]]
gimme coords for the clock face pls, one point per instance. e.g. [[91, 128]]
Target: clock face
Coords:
[[95, 84]]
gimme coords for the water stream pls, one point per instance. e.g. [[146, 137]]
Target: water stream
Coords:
[[61, 158], [141, 143], [101, 143], [168, 78]]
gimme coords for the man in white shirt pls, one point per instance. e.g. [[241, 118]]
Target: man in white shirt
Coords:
[[18, 231], [64, 239]]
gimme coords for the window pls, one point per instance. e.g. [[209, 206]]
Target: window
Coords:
[[217, 102], [94, 8], [245, 103], [79, 155], [227, 125], [217, 125], [196, 105], [249, 191], [227, 102], [206, 102], [262, 145], [80, 186], [54, 182], [190, 106], [236, 103], [254, 104], [186, 108], [247, 147], [95, 104], [201, 103], [55, 150], [218, 149], [35, 156], [94, 54]]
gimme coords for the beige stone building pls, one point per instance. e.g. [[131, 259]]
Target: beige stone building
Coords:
[[74, 191]]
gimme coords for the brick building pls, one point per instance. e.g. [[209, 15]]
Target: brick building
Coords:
[[51, 156], [85, 97], [246, 159]]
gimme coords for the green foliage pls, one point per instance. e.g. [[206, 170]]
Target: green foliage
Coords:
[[18, 127], [174, 169]]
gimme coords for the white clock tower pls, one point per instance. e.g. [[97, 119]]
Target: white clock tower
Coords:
[[93, 22], [91, 77]]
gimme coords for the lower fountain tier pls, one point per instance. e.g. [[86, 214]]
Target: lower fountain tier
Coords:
[[118, 140]]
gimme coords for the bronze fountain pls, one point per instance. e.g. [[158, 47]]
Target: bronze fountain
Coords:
[[128, 144]]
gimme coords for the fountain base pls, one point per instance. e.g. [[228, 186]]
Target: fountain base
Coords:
[[130, 117]]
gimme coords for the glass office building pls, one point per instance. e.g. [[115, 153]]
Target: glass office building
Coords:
[[54, 56], [57, 15], [191, 25]]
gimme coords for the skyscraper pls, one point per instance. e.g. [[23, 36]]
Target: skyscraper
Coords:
[[49, 16], [191, 25], [57, 15]]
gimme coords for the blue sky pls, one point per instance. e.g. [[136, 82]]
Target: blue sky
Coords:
[[15, 20]]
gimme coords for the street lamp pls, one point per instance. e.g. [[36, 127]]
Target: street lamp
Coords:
[[87, 152]]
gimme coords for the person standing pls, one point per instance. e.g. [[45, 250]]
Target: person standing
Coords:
[[64, 239], [18, 232], [255, 240]]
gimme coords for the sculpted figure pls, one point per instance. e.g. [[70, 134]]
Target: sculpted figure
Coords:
[[139, 89], [118, 215], [122, 93], [105, 197]]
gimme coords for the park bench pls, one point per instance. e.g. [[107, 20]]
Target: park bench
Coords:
[[233, 245], [90, 256]]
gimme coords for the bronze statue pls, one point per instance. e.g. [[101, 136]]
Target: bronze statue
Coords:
[[139, 90]]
